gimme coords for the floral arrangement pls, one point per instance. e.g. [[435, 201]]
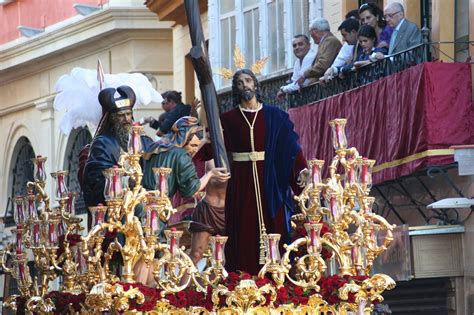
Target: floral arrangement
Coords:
[[286, 295]]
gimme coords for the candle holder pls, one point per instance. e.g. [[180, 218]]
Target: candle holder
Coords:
[[61, 191], [20, 215], [339, 139], [39, 169], [273, 261], [161, 180], [113, 189], [134, 141]]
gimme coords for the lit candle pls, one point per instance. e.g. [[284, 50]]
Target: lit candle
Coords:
[[172, 242], [271, 248], [163, 184], [115, 182], [36, 234], [340, 140], [40, 174], [19, 240], [20, 216], [154, 224], [364, 178], [316, 173], [134, 143], [52, 234], [32, 207], [21, 272], [61, 185], [218, 251]]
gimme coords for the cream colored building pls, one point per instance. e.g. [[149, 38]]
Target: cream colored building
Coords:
[[126, 37]]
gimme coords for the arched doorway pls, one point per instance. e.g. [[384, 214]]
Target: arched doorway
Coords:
[[21, 171]]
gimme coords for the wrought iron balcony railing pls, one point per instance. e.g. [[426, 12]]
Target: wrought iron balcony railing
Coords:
[[318, 91]]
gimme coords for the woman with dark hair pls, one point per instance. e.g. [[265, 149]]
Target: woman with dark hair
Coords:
[[372, 15], [367, 38]]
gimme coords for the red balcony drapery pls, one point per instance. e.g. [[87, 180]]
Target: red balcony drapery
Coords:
[[405, 121]]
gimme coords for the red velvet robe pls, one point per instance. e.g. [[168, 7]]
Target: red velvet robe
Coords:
[[242, 227]]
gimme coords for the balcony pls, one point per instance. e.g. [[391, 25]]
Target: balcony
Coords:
[[316, 92], [406, 112]]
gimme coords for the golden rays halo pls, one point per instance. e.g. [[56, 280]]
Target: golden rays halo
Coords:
[[239, 62]]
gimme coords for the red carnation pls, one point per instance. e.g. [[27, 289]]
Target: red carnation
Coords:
[[298, 291]]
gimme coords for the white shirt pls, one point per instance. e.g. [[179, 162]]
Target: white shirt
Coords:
[[298, 70], [343, 57]]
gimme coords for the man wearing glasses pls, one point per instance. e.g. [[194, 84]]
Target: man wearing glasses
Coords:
[[405, 34]]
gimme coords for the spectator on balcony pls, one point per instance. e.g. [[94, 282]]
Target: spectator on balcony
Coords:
[[305, 57], [405, 34], [349, 51], [174, 109], [328, 48], [370, 53], [371, 15]]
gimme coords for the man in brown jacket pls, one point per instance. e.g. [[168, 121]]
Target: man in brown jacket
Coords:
[[328, 48]]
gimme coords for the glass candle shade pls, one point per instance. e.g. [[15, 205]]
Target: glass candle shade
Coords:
[[134, 141], [315, 166], [350, 176], [172, 238], [152, 219], [71, 203], [339, 139], [364, 172], [313, 231], [161, 180], [217, 244], [35, 232], [335, 206], [113, 183], [51, 228], [22, 271], [18, 239], [61, 188], [20, 214], [39, 168], [32, 211], [98, 214], [272, 248], [80, 261]]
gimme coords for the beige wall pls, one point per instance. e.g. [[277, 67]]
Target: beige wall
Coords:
[[181, 70], [27, 88]]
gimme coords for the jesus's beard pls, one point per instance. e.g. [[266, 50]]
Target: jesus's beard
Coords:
[[247, 95]]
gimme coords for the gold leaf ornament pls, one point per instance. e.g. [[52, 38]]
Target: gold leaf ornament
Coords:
[[239, 62]]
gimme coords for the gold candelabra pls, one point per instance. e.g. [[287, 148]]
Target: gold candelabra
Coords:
[[340, 205]]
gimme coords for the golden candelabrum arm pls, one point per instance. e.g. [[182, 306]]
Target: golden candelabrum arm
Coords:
[[4, 254], [40, 193]]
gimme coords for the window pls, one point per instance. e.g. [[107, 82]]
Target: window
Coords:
[[251, 47], [259, 28], [22, 172], [227, 28], [276, 40]]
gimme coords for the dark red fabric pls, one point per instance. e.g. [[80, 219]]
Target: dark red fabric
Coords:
[[428, 106]]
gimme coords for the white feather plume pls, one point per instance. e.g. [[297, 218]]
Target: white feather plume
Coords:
[[78, 92]]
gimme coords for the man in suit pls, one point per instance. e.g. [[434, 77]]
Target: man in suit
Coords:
[[328, 48], [405, 33]]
